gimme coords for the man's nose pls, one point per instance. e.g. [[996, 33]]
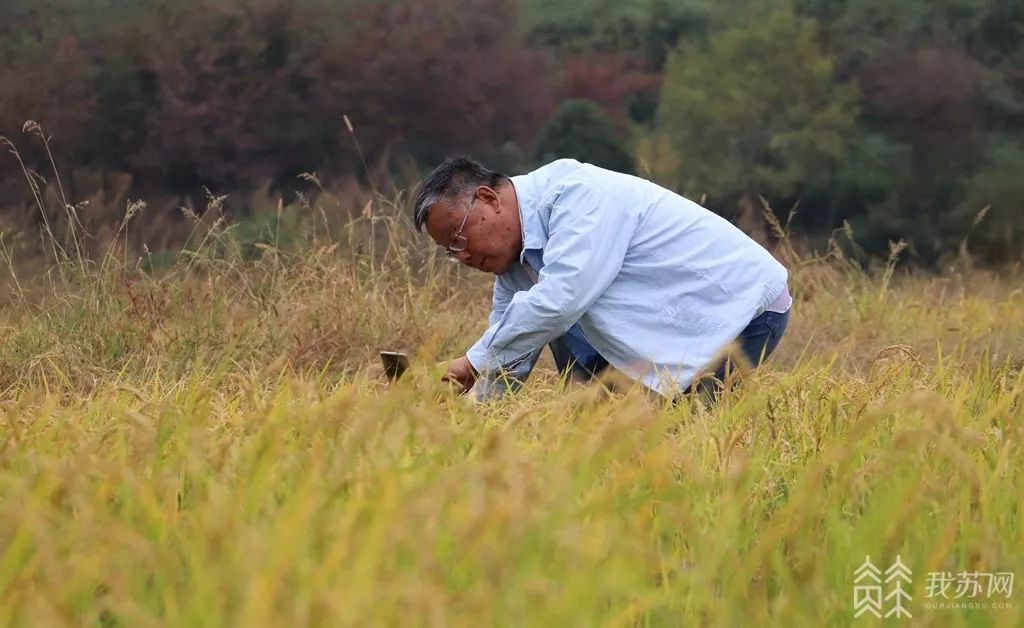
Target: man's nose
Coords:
[[463, 256]]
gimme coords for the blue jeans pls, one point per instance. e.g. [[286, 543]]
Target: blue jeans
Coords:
[[572, 351], [757, 341]]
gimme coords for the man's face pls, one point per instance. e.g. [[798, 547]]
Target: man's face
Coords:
[[490, 235]]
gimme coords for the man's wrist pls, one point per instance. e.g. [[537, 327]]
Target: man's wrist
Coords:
[[472, 367], [476, 361]]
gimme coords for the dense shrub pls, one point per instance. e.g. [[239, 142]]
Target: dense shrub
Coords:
[[579, 129]]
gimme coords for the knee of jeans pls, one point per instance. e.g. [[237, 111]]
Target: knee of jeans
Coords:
[[757, 352], [778, 324], [561, 354]]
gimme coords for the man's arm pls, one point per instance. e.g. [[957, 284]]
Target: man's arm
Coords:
[[493, 385], [587, 242]]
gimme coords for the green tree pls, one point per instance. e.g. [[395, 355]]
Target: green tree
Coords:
[[999, 186], [755, 112], [579, 129], [939, 81], [647, 27], [875, 168]]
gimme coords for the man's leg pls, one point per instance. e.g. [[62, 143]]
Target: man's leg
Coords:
[[757, 341], [574, 354], [762, 335]]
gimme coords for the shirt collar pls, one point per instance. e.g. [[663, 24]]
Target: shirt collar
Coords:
[[528, 199]]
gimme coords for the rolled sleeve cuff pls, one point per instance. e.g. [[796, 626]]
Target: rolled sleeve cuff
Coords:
[[477, 356], [488, 363]]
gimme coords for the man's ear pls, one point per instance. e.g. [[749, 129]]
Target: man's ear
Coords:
[[489, 196]]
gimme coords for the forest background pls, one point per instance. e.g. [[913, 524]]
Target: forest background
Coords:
[[885, 120]]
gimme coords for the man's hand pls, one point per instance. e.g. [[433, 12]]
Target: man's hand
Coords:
[[461, 372]]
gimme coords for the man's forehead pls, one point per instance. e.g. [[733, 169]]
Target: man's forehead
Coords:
[[440, 216]]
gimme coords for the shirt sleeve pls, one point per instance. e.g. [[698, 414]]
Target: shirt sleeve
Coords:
[[491, 385], [502, 296], [587, 241]]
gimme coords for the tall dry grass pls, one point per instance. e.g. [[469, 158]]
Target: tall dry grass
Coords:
[[210, 443]]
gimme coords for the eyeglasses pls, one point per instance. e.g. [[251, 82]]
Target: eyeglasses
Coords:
[[459, 242]]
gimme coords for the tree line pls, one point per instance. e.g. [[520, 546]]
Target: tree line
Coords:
[[888, 120]]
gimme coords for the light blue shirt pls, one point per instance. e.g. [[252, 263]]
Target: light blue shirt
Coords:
[[658, 284]]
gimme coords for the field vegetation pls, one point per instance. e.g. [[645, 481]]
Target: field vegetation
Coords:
[[203, 437]]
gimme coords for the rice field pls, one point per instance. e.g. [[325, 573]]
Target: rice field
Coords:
[[209, 442]]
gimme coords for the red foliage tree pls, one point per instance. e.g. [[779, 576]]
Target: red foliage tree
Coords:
[[439, 77], [230, 106], [229, 93], [610, 79], [930, 98], [51, 88]]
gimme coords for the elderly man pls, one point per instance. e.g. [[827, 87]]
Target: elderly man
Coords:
[[604, 268]]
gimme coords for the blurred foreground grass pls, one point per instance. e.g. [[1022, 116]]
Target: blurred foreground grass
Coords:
[[212, 445]]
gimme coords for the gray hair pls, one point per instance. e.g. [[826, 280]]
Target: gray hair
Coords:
[[449, 182]]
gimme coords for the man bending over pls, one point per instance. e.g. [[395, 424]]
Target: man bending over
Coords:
[[604, 268]]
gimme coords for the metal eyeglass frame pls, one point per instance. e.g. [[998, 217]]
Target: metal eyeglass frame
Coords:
[[459, 242]]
